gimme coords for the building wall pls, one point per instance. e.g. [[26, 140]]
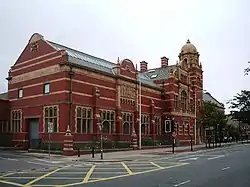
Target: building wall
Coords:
[[76, 90]]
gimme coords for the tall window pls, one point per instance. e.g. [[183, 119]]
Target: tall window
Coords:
[[16, 120], [50, 116], [127, 119], [20, 93], [46, 88], [158, 125], [4, 126], [176, 101], [108, 121], [145, 124], [180, 129], [84, 120], [183, 100]]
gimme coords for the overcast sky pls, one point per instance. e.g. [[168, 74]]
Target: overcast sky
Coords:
[[138, 30]]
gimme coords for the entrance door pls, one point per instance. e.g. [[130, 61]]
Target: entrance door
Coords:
[[33, 133]]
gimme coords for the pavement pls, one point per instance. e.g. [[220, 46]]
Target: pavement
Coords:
[[225, 166]]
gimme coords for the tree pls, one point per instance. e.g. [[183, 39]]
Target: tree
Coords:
[[247, 70], [241, 106], [212, 116]]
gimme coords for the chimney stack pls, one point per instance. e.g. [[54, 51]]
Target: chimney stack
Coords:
[[164, 62], [143, 66]]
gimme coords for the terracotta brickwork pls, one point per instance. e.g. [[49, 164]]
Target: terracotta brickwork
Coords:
[[50, 83]]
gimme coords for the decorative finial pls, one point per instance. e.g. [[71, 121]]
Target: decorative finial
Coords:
[[188, 41], [118, 60], [136, 67]]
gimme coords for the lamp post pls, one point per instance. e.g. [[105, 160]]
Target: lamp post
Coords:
[[101, 139], [140, 109]]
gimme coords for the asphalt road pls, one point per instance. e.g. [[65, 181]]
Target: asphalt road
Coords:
[[21, 160], [220, 167]]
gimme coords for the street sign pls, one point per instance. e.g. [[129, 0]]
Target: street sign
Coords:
[[50, 127], [174, 134]]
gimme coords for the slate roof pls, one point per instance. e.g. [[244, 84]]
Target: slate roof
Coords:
[[208, 97], [159, 73], [86, 60], [4, 96]]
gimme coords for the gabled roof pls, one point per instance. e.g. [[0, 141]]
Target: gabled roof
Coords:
[[4, 96], [208, 97], [86, 60], [92, 62]]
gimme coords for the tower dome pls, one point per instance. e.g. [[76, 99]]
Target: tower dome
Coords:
[[188, 48]]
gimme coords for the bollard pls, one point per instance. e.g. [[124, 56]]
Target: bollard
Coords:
[[78, 152], [173, 145], [93, 152], [191, 143]]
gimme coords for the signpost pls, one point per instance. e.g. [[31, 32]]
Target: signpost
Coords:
[[50, 130]]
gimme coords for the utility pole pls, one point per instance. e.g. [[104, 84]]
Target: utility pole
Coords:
[[195, 116], [140, 110]]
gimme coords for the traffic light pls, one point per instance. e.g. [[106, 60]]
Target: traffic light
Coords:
[[173, 127]]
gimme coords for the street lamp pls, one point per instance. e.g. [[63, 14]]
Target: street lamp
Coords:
[[140, 110], [101, 141]]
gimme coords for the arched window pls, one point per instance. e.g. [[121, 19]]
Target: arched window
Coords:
[[126, 128], [127, 119], [108, 121], [183, 100], [145, 124], [106, 127]]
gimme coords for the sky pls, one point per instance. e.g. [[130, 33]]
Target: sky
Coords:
[[138, 30]]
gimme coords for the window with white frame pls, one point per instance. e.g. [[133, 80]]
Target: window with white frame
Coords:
[[108, 121], [46, 88], [84, 120], [20, 93], [158, 125], [16, 120], [51, 116], [145, 124], [167, 126], [127, 119]]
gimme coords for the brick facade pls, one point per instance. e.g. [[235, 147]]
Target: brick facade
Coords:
[[52, 83]]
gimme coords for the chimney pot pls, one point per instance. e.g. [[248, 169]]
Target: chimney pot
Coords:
[[164, 62], [143, 66]]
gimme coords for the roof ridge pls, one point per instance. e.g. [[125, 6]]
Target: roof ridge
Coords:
[[80, 52]]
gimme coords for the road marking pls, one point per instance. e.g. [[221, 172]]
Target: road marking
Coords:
[[121, 176], [86, 178], [156, 165], [8, 159], [193, 158], [216, 157], [127, 168], [43, 164], [48, 161], [11, 183], [7, 174], [223, 169], [185, 182], [40, 178]]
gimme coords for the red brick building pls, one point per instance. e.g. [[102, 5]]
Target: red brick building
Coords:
[[50, 82]]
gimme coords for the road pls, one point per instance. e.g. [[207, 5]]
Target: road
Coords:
[[22, 160], [228, 166]]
